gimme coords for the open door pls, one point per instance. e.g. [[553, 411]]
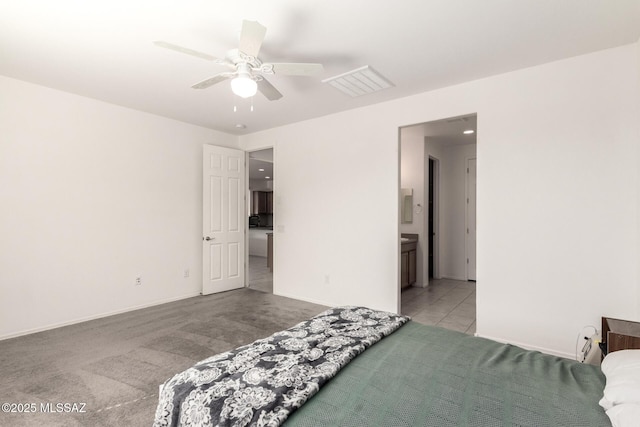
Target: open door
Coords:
[[223, 225]]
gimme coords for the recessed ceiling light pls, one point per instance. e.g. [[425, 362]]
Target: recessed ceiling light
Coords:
[[241, 126], [468, 132], [261, 170], [267, 177]]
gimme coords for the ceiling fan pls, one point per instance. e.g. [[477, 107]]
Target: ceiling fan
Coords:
[[246, 68]]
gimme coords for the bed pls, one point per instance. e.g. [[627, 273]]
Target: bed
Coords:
[[401, 374]]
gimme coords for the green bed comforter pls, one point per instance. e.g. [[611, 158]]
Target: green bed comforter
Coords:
[[429, 376]]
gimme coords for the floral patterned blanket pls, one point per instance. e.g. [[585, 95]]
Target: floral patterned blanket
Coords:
[[260, 384]]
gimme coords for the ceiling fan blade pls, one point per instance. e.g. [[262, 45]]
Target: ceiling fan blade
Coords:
[[212, 80], [186, 50], [297, 69], [267, 89], [251, 37]]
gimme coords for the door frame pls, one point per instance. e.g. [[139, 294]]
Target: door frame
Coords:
[[466, 218]]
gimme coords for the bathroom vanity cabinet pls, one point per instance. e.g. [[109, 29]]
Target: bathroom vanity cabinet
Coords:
[[408, 259]]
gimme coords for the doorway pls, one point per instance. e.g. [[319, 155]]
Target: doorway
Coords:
[[434, 157], [260, 220], [432, 213]]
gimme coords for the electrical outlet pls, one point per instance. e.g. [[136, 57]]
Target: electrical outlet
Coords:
[[327, 279], [186, 273], [138, 281]]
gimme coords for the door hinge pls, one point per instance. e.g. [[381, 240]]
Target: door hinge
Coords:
[[467, 260]]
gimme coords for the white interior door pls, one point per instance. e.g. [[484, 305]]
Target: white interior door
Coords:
[[471, 219], [223, 219]]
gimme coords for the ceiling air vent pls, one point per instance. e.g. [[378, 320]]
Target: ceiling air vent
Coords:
[[358, 82]]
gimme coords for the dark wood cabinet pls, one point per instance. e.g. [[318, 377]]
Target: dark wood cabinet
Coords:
[[404, 269], [619, 335], [270, 202], [408, 260], [412, 266], [261, 202]]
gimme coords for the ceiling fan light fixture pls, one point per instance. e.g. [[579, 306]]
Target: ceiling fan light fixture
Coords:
[[244, 86]]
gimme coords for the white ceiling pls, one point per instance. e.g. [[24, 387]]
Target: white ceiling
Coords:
[[104, 49], [451, 130]]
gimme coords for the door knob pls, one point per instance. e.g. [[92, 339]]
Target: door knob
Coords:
[[209, 238]]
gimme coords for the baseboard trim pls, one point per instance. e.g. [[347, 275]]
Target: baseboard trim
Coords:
[[461, 279], [94, 317], [530, 347]]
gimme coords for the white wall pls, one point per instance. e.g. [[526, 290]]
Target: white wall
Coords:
[[557, 198], [557, 153], [94, 195], [336, 209], [261, 185]]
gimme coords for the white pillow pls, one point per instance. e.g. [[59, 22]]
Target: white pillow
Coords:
[[622, 369], [625, 415]]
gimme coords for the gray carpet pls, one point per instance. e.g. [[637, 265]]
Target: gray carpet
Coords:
[[114, 365]]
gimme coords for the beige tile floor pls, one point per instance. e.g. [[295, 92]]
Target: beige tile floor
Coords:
[[450, 304]]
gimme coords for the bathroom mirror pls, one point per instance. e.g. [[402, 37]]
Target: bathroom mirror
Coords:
[[406, 205]]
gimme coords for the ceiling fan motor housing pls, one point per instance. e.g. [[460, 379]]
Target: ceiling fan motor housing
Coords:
[[244, 85]]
